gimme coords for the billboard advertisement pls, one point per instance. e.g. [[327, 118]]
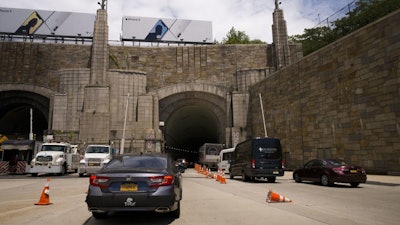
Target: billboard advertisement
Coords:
[[166, 30], [46, 23]]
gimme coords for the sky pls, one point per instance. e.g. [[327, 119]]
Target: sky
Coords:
[[254, 17]]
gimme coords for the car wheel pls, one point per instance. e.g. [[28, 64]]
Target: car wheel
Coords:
[[34, 174], [98, 215], [244, 177], [230, 175], [354, 184], [296, 178], [176, 213], [81, 175], [271, 179], [325, 180]]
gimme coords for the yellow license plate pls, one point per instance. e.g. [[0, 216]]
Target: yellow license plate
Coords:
[[353, 171], [129, 187]]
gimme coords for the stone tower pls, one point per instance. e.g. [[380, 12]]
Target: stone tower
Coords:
[[280, 38], [95, 118]]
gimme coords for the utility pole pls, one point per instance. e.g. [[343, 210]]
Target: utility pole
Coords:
[[123, 130]]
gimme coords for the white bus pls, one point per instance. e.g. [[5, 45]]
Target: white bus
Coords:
[[225, 156]]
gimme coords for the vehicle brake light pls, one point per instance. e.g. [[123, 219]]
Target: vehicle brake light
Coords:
[[161, 180], [338, 170], [98, 181], [253, 163]]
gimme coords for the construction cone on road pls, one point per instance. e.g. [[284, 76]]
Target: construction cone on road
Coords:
[[218, 178], [222, 179], [45, 196], [274, 197]]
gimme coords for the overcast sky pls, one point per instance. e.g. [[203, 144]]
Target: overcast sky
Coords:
[[254, 17]]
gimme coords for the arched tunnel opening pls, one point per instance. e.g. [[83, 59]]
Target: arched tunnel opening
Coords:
[[15, 114], [192, 119]]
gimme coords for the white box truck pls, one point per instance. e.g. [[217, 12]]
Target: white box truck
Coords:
[[209, 154]]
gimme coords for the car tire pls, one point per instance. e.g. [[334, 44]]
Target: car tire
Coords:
[[81, 175], [34, 174], [325, 180], [354, 184], [296, 178], [98, 215], [176, 213], [244, 177], [271, 179]]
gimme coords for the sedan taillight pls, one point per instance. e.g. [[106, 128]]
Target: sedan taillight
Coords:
[[98, 181], [161, 180], [338, 170], [253, 163]]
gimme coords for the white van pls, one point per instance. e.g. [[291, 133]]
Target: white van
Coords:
[[225, 156]]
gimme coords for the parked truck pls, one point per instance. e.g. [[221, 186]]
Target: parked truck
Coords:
[[55, 158], [95, 157], [209, 154]]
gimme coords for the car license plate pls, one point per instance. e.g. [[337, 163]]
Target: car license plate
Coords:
[[353, 171], [128, 187], [275, 172]]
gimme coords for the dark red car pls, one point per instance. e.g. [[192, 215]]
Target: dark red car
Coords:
[[329, 171]]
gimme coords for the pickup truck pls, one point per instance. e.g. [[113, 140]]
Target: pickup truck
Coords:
[[95, 157]]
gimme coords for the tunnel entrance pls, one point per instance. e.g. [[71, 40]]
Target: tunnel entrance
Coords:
[[15, 114], [192, 119]]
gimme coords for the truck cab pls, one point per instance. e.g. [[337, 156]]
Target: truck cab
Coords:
[[95, 157], [56, 158]]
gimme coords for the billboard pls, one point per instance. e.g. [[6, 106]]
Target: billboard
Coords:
[[166, 30], [46, 23]]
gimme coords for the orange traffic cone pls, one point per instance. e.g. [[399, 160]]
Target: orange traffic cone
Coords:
[[218, 178], [222, 179], [274, 197], [45, 196]]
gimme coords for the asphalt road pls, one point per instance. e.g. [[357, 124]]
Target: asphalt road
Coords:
[[207, 201]]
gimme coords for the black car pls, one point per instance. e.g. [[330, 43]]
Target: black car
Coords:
[[143, 182], [329, 171]]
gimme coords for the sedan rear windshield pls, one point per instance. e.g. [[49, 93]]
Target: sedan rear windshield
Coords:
[[337, 162], [138, 162]]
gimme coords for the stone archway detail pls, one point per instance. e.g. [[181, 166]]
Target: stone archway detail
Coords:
[[48, 93], [180, 88]]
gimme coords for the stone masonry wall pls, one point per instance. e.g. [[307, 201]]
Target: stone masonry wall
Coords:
[[342, 101], [36, 63]]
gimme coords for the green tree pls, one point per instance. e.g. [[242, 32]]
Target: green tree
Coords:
[[313, 39], [239, 37], [365, 12]]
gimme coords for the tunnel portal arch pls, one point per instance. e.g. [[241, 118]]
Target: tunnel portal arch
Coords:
[[191, 118], [15, 105]]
